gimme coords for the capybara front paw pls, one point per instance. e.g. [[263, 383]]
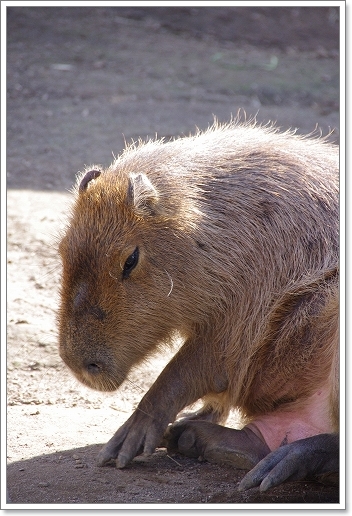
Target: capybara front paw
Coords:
[[141, 433], [111, 450], [105, 456]]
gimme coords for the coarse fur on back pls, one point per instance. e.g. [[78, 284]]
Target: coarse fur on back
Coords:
[[233, 239]]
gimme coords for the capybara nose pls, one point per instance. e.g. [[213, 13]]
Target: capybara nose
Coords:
[[95, 368]]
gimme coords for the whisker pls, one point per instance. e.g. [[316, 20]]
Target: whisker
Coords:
[[134, 384], [168, 456], [171, 281]]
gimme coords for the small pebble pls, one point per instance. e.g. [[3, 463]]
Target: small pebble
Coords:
[[62, 67]]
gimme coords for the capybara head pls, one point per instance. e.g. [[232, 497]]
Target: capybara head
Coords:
[[190, 237], [120, 256]]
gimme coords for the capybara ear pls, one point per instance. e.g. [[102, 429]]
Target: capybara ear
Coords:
[[88, 176], [142, 194]]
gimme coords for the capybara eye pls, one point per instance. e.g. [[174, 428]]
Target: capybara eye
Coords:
[[130, 263]]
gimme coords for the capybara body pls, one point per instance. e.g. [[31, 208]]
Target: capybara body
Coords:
[[229, 240]]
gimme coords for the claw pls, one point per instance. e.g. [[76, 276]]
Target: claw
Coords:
[[122, 461], [312, 456]]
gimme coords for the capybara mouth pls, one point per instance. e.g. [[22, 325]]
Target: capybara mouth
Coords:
[[97, 379]]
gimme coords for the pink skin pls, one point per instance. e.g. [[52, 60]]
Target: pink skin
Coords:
[[286, 426]]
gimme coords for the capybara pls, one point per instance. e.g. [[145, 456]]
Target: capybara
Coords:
[[228, 240]]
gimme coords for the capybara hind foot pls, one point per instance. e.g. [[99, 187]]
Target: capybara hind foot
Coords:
[[314, 456], [214, 443]]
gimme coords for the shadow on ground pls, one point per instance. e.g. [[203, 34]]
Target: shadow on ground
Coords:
[[72, 477]]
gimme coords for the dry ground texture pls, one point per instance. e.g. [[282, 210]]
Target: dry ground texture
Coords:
[[80, 81]]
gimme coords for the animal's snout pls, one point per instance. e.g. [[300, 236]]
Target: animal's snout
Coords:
[[82, 362], [98, 373], [94, 368]]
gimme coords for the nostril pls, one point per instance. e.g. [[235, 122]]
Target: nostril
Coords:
[[94, 368]]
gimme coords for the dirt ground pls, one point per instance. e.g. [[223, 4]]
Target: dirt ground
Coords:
[[80, 81]]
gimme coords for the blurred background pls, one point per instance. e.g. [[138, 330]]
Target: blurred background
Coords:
[[81, 80]]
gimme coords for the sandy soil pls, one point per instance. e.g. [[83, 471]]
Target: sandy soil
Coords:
[[80, 81]]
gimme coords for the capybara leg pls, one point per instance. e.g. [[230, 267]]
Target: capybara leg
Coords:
[[313, 456], [173, 390], [214, 443], [216, 408]]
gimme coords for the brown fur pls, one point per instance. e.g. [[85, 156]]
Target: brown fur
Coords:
[[237, 231]]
